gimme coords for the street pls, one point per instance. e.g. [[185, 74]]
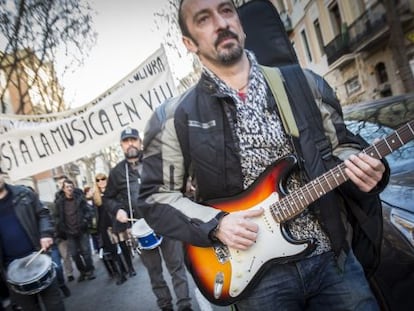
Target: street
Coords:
[[134, 295]]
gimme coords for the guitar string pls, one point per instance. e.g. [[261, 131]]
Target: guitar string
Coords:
[[381, 148]]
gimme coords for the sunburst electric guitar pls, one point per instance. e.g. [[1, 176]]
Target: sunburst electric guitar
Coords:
[[223, 274]]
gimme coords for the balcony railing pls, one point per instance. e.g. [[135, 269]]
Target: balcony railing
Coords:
[[337, 47], [372, 22]]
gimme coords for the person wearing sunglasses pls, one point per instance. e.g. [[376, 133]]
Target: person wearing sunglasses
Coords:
[[108, 240]]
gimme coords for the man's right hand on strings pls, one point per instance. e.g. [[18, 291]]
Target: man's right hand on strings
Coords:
[[238, 230]]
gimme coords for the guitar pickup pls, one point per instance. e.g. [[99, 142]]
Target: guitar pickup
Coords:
[[222, 253]]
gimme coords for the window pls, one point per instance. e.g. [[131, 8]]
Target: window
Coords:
[[382, 79], [306, 44], [319, 35], [335, 18], [381, 73], [352, 85]]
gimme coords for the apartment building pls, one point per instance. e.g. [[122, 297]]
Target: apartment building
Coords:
[[348, 43], [29, 87]]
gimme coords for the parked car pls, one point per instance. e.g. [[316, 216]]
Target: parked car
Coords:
[[393, 282]]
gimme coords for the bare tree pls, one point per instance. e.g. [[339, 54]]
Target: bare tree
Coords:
[[32, 34], [397, 45]]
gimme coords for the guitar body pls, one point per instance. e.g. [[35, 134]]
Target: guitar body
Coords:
[[224, 275]]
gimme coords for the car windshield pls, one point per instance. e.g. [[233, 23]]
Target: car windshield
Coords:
[[370, 131]]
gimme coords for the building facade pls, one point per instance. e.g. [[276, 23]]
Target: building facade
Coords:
[[348, 43], [30, 87]]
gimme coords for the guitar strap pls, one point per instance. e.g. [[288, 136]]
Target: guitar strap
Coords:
[[301, 101], [296, 102], [274, 79]]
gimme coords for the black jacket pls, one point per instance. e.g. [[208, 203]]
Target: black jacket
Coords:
[[186, 139], [84, 215], [32, 214], [116, 192]]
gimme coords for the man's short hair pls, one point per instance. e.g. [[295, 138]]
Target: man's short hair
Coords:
[[67, 181], [181, 21]]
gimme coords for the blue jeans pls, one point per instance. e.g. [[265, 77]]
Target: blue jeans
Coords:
[[57, 262], [317, 283]]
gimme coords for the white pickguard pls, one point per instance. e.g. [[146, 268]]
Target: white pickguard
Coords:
[[270, 244]]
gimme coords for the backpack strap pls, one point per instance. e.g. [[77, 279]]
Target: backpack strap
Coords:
[[274, 79], [303, 103], [302, 96]]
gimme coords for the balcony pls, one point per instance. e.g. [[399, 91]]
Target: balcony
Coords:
[[365, 32], [337, 48]]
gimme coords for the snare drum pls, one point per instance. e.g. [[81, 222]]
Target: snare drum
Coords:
[[32, 279], [147, 239]]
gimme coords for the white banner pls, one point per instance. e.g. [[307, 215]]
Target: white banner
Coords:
[[33, 144]]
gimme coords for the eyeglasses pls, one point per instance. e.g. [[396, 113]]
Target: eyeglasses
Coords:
[[100, 179]]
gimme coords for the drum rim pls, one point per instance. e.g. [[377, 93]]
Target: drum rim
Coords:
[[143, 235], [36, 278], [152, 246], [18, 288], [146, 229], [40, 278]]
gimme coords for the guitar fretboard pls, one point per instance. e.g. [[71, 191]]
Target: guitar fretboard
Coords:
[[297, 201]]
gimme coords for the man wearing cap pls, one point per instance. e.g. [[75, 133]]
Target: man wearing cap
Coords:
[[121, 196]]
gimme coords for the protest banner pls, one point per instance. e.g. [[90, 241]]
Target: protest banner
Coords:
[[33, 144]]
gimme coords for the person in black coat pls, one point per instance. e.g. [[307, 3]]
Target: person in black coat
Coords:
[[72, 216], [111, 259], [25, 229]]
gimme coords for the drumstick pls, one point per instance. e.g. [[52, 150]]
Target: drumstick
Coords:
[[132, 219], [34, 257]]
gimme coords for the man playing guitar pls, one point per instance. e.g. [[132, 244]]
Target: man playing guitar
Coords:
[[224, 133]]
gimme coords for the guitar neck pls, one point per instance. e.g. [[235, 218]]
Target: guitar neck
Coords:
[[297, 201]]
